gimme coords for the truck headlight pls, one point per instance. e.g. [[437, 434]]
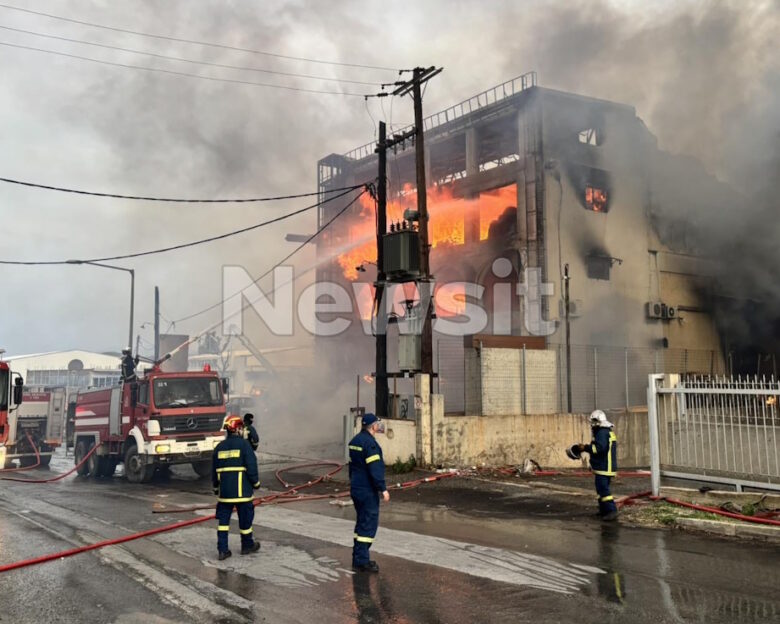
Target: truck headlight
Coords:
[[162, 448], [153, 427]]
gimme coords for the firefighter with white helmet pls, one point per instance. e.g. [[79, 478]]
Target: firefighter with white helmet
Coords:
[[234, 477], [603, 461]]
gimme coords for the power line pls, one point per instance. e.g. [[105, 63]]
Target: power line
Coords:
[[187, 60], [195, 42], [283, 260], [178, 73], [171, 199], [182, 245]]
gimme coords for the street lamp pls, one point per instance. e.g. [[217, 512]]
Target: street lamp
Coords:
[[132, 288]]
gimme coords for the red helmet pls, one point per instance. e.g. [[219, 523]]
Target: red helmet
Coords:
[[234, 423]]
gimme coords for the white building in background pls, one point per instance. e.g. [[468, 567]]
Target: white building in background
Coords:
[[73, 370]]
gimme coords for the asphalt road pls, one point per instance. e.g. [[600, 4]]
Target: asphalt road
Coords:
[[448, 553]]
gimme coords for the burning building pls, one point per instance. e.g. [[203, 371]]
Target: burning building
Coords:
[[528, 185]]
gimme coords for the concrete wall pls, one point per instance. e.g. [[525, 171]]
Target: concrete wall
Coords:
[[510, 439], [494, 381]]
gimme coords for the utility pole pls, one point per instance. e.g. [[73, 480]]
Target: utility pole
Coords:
[[156, 323], [381, 311], [420, 76], [566, 279]]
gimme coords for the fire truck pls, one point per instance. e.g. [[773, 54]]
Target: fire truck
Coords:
[[11, 396], [150, 423], [35, 424]]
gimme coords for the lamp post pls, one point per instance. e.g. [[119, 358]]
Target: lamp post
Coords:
[[132, 289]]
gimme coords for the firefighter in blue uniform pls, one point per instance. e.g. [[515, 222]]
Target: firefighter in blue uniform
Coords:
[[367, 483], [603, 461], [250, 433], [234, 477]]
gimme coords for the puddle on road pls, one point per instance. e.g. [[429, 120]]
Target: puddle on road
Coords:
[[279, 564]]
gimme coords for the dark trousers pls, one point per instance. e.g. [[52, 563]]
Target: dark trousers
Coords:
[[606, 500], [246, 515], [367, 509]]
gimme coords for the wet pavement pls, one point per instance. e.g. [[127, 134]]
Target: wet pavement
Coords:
[[451, 552]]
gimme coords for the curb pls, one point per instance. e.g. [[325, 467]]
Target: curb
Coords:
[[730, 529], [715, 498]]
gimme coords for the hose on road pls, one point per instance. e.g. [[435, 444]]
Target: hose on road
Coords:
[[52, 479], [37, 458], [288, 496]]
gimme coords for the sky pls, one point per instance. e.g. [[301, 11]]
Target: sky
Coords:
[[704, 76]]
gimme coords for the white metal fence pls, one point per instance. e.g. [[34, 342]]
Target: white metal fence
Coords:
[[715, 428]]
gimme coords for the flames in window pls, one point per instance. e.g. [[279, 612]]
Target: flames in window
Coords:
[[595, 199]]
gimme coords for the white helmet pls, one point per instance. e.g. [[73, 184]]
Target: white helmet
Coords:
[[598, 419]]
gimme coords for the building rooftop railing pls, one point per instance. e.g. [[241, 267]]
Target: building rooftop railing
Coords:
[[481, 100]]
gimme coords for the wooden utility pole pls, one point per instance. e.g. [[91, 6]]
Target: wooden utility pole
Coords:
[[420, 76], [380, 403]]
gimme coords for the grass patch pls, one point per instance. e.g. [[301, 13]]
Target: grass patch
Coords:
[[663, 513], [402, 467]]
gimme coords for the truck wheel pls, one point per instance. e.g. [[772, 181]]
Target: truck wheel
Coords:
[[202, 468], [45, 461], [136, 469], [94, 464], [81, 450], [27, 461], [106, 466]]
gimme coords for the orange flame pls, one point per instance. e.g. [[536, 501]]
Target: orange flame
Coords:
[[447, 226]]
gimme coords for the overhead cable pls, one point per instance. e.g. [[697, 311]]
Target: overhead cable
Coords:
[[187, 60], [195, 42], [179, 73], [278, 264], [174, 199], [182, 245]]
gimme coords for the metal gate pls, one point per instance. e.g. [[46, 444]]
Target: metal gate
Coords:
[[717, 429]]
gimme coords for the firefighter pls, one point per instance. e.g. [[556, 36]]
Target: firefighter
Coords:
[[128, 365], [234, 476], [250, 433], [603, 462], [367, 483]]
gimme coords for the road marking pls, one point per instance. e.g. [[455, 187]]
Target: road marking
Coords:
[[488, 562]]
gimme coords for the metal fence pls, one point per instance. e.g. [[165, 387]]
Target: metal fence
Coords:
[[715, 428], [518, 381]]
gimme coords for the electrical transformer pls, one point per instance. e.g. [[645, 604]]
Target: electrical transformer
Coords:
[[402, 255]]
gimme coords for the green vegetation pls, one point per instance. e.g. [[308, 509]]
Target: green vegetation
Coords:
[[666, 514], [401, 467]]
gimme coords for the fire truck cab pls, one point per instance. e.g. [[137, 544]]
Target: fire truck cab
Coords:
[[152, 422]]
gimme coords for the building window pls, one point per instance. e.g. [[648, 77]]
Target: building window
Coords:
[[598, 267], [590, 136], [596, 198]]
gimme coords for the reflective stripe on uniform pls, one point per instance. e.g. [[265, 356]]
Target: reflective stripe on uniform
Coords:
[[245, 499], [593, 448], [604, 499], [360, 538], [223, 528], [373, 458], [232, 469], [605, 473], [229, 454], [256, 485], [352, 447], [240, 478], [612, 438], [246, 531]]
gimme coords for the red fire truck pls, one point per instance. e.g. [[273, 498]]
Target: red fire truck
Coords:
[[35, 424], [155, 421], [11, 389]]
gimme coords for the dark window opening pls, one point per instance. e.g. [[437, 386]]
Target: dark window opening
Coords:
[[598, 267], [596, 199], [590, 136]]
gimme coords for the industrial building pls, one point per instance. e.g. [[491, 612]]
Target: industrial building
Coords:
[[552, 182], [75, 369]]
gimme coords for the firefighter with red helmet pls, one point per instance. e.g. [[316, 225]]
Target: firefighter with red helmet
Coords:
[[234, 476]]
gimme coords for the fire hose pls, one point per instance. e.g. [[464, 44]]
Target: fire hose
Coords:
[[37, 458], [280, 497], [58, 477]]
